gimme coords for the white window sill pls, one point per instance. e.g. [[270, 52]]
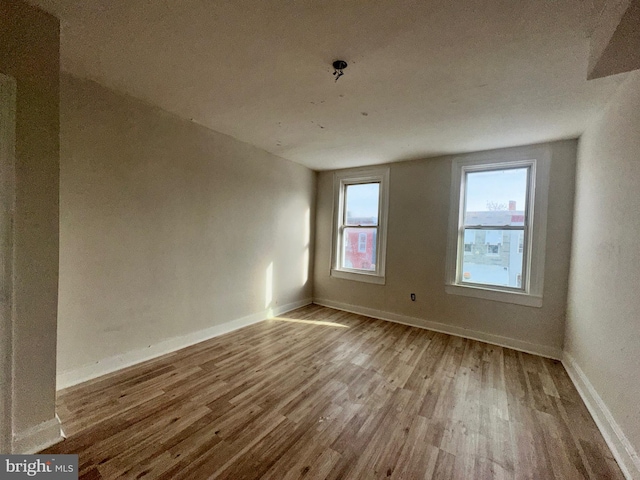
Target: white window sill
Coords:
[[495, 295], [358, 277]]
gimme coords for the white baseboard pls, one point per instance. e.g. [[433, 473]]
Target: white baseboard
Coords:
[[542, 350], [118, 362], [622, 450], [37, 438]]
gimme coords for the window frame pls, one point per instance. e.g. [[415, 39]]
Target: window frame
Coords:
[[343, 179], [538, 159], [530, 166]]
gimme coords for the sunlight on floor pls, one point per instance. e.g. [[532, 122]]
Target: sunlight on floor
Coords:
[[311, 322]]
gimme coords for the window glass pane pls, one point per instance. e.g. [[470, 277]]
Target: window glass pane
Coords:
[[359, 250], [469, 236], [362, 204], [492, 237], [496, 197], [494, 259]]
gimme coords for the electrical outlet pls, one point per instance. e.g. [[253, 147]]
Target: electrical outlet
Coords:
[[413, 297]]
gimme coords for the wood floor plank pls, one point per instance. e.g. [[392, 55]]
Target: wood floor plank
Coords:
[[325, 394]]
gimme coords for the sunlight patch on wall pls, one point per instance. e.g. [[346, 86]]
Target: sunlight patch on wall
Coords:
[[268, 294], [306, 241]]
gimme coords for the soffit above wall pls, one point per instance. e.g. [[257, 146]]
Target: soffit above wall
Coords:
[[615, 43]]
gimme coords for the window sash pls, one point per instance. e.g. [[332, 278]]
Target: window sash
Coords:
[[466, 170], [344, 225], [344, 194], [343, 245], [525, 228], [460, 261]]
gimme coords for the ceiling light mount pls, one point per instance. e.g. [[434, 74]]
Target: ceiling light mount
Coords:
[[338, 67]]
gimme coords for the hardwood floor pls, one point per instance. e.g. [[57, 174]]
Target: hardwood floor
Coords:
[[321, 393]]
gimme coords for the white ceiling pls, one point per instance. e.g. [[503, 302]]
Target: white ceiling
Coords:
[[424, 77]]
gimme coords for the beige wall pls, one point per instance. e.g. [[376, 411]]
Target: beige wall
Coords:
[[168, 228], [29, 52], [419, 199], [603, 321]]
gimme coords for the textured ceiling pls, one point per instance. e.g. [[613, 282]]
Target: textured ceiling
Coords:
[[424, 77]]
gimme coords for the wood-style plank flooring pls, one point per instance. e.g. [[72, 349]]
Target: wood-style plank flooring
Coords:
[[320, 393]]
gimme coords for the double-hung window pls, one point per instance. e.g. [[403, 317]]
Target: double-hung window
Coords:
[[498, 225], [360, 218]]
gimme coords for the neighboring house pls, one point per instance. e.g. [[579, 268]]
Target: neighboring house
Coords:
[[495, 256], [360, 244]]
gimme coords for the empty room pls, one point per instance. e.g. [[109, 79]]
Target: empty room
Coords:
[[323, 240]]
